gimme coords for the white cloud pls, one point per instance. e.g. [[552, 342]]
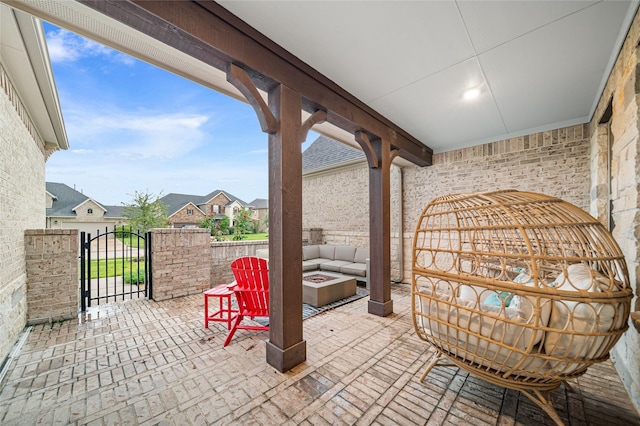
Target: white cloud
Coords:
[[65, 46], [81, 151], [259, 151], [136, 135]]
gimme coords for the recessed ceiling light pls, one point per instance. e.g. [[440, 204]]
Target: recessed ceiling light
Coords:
[[471, 94]]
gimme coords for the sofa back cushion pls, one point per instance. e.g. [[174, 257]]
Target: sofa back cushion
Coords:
[[345, 253], [361, 256], [327, 252], [310, 252]]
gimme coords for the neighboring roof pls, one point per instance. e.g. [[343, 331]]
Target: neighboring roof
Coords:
[[325, 153], [66, 199], [176, 202], [114, 211], [231, 198], [23, 45], [260, 203]]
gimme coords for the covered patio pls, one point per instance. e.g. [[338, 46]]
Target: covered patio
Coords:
[[148, 363]]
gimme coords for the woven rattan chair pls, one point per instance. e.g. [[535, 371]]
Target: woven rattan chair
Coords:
[[521, 289]]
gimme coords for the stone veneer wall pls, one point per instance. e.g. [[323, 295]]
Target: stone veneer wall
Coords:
[[22, 201], [52, 274], [181, 262], [621, 183], [225, 252]]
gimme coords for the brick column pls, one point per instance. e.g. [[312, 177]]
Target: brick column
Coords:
[[181, 262], [52, 274]]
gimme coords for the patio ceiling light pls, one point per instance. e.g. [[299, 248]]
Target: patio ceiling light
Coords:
[[471, 94]]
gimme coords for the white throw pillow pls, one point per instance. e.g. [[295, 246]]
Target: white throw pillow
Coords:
[[570, 317]]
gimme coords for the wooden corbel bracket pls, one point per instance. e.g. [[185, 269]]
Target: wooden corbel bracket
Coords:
[[241, 81], [319, 116], [365, 143]]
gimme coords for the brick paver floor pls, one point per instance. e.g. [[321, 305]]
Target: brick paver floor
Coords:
[[144, 362]]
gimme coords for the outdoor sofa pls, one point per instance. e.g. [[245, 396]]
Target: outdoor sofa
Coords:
[[345, 260]]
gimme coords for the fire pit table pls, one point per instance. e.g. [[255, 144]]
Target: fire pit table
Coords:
[[322, 288]]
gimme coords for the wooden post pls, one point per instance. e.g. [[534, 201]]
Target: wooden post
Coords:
[[379, 156], [285, 348]]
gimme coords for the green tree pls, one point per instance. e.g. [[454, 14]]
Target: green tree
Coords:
[[217, 226], [242, 223], [224, 224], [210, 222], [146, 211]]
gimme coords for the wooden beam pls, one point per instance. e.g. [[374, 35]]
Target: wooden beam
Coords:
[[285, 348], [210, 33]]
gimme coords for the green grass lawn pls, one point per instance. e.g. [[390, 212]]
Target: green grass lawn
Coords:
[[131, 241], [115, 268], [248, 237], [256, 237]]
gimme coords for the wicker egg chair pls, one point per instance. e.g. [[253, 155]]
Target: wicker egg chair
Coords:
[[521, 289]]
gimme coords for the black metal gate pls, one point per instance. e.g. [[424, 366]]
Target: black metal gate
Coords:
[[114, 266]]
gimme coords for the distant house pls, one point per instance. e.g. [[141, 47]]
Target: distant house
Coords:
[[186, 210], [67, 208], [260, 212]]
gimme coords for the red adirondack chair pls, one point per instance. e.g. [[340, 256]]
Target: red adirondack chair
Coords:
[[252, 292]]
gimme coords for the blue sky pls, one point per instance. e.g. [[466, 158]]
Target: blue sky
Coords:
[[134, 127]]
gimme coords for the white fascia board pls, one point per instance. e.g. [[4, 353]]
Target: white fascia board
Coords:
[[24, 55]]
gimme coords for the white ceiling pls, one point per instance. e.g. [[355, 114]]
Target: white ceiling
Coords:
[[539, 65]]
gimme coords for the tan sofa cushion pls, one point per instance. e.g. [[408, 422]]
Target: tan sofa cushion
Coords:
[[344, 253], [361, 256], [357, 269], [334, 265], [310, 252], [327, 251]]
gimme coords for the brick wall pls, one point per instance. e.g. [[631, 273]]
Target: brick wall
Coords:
[[554, 163], [181, 262], [342, 208], [219, 200], [225, 252], [22, 201], [621, 95], [181, 215], [52, 274]]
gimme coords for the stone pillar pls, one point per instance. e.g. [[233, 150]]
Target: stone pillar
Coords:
[[52, 275], [180, 262]]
